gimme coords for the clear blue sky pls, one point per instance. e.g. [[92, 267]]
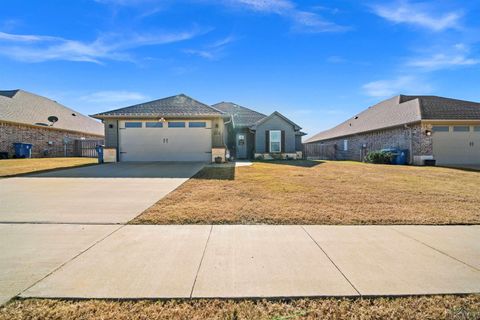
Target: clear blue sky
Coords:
[[317, 62]]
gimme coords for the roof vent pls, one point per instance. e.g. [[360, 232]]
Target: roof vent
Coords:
[[74, 114], [356, 117]]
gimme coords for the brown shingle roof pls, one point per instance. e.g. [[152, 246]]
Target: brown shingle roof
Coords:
[[24, 107], [242, 117], [401, 110], [175, 106], [440, 108]]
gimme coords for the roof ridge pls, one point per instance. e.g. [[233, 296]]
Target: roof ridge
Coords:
[[277, 113], [238, 105], [211, 107], [176, 104]]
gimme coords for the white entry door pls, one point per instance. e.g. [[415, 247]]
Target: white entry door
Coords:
[[173, 141]]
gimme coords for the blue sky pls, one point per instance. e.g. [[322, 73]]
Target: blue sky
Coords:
[[317, 62]]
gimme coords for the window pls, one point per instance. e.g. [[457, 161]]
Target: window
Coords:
[[440, 128], [133, 124], [241, 139], [461, 128], [476, 128], [197, 124], [176, 124], [154, 124], [345, 145], [275, 140]]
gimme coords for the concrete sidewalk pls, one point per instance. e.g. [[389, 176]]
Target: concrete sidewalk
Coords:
[[236, 261], [29, 252]]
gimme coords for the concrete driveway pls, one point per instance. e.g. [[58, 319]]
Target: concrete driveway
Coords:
[[108, 193]]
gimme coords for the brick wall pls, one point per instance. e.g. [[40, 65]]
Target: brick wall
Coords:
[[47, 142], [412, 138]]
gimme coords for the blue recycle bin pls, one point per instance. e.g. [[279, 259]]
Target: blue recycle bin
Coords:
[[99, 149], [400, 156], [22, 150]]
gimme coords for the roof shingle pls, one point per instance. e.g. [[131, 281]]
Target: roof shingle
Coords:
[[400, 110], [175, 106], [242, 117], [24, 107]]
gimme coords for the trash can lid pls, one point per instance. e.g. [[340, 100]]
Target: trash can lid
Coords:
[[389, 150]]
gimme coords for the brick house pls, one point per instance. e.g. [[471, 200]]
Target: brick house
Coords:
[[180, 128], [24, 118], [430, 127]]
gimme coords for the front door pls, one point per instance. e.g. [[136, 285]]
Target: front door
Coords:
[[241, 146]]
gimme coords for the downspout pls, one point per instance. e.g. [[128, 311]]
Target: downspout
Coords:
[[224, 128], [410, 156], [118, 140]]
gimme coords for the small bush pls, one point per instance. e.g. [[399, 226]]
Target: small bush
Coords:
[[379, 157], [260, 157], [276, 156]]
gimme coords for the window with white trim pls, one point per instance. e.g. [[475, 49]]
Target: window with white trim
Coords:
[[197, 124], [345, 145], [153, 125], [133, 124], [275, 141], [440, 128], [461, 128], [178, 124]]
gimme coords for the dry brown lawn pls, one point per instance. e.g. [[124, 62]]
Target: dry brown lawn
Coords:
[[307, 192], [11, 167], [433, 307]]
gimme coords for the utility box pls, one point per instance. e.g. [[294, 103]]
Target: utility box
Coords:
[[109, 155]]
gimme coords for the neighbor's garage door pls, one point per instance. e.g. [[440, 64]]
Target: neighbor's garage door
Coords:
[[456, 144], [168, 141]]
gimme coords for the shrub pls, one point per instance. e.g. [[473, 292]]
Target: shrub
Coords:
[[380, 157], [276, 156]]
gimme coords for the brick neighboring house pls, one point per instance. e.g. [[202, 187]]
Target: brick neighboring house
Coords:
[[24, 118], [430, 127]]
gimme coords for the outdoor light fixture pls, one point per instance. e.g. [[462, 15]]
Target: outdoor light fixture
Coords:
[[428, 133], [162, 119]]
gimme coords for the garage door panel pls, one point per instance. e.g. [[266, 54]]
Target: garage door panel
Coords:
[[165, 144], [456, 147]]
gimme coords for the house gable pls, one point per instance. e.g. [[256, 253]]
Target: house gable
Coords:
[[275, 122]]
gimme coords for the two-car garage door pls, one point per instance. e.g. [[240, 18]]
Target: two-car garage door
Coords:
[[165, 141], [459, 144]]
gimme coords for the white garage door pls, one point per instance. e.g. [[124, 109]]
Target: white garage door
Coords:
[[168, 141], [456, 144]]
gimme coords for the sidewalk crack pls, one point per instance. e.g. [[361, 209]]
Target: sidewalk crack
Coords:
[[70, 260], [336, 266], [201, 261], [435, 249]]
